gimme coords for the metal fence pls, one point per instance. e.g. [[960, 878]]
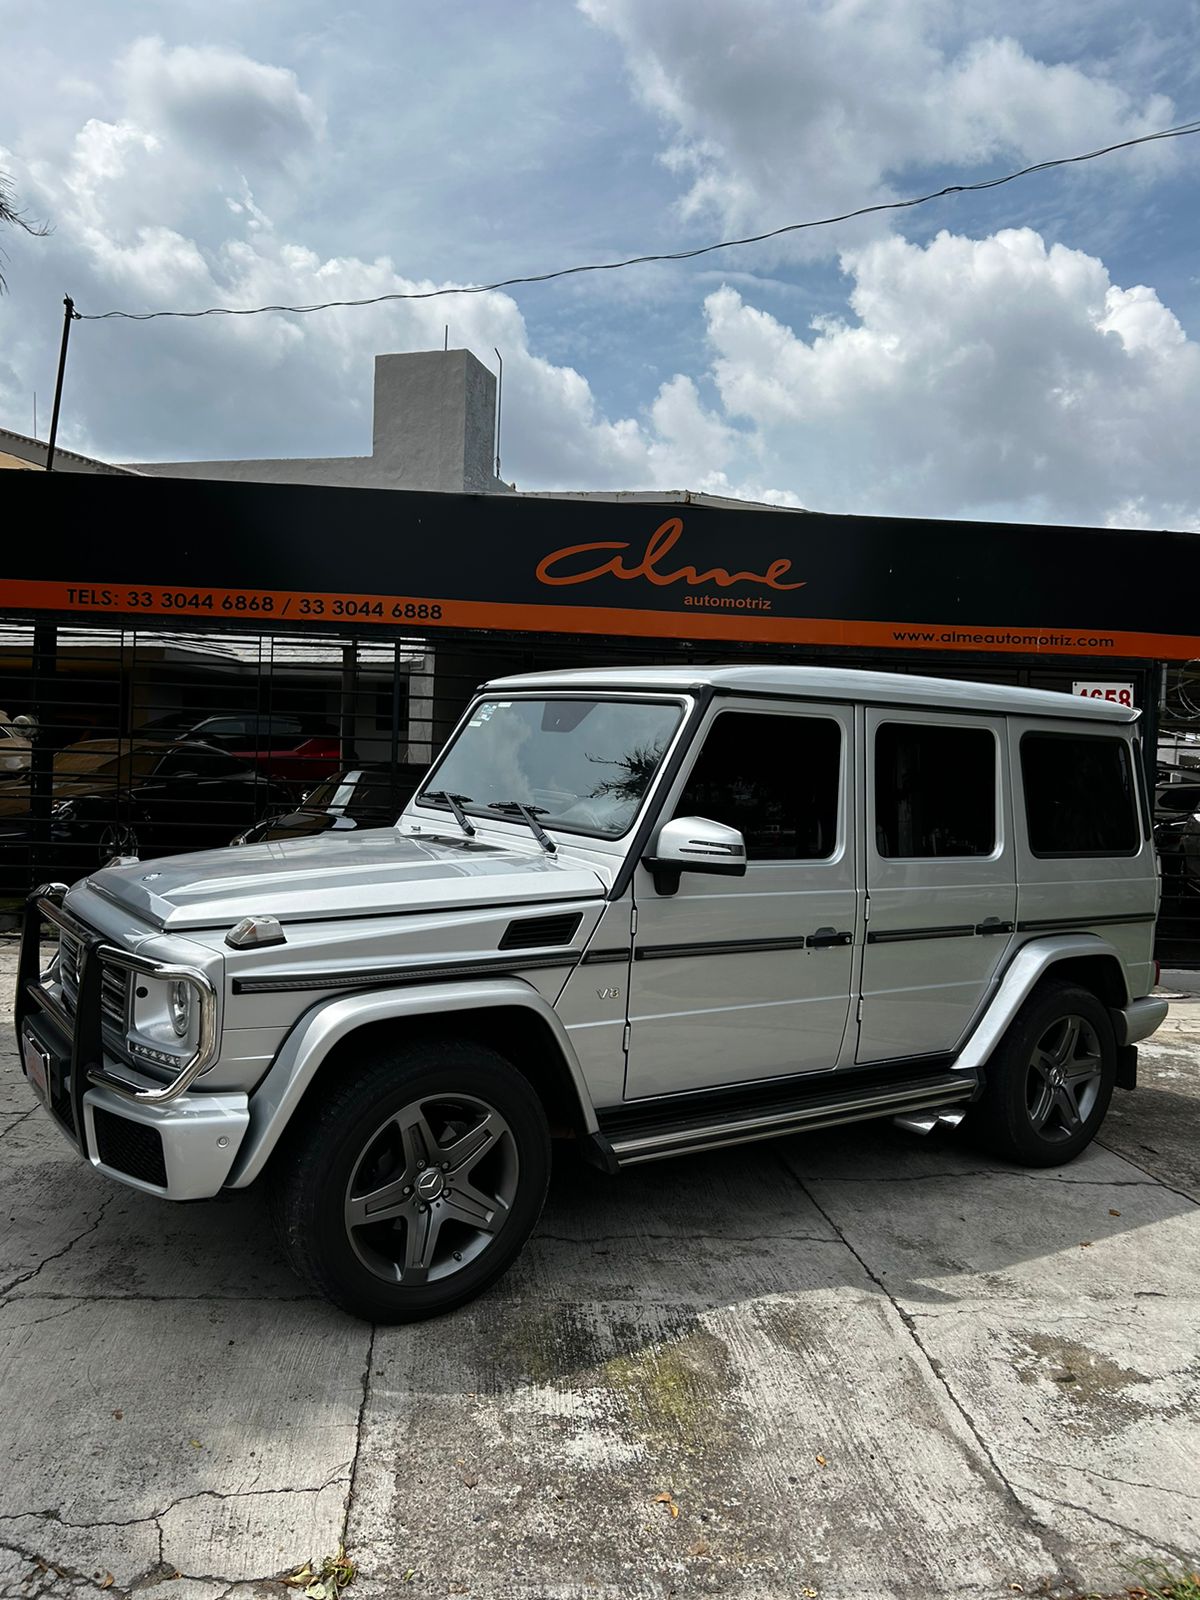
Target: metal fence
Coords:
[[1177, 819], [121, 740], [152, 741], [118, 740]]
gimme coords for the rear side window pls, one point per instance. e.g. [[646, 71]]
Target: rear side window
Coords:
[[935, 790], [1080, 798]]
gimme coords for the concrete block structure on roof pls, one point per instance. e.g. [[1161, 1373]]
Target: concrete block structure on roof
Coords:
[[434, 428]]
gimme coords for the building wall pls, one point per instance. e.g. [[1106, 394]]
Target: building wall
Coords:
[[433, 428]]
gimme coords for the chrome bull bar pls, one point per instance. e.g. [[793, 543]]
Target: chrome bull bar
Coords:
[[83, 1028]]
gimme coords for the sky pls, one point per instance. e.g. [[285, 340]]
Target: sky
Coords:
[[1032, 353]]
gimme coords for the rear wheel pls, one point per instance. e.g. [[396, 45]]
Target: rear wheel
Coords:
[[1050, 1081], [415, 1182]]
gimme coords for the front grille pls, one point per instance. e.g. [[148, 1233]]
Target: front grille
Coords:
[[130, 1147], [69, 952], [114, 983], [114, 994]]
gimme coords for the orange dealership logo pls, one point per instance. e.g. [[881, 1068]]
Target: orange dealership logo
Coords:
[[570, 564]]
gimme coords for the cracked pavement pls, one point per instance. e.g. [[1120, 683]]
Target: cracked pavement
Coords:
[[862, 1365]]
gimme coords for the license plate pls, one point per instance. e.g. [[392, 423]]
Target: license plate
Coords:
[[37, 1068]]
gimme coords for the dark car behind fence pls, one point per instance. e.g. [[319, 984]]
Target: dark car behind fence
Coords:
[[165, 740]]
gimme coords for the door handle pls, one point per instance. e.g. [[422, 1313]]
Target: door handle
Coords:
[[824, 938], [993, 925]]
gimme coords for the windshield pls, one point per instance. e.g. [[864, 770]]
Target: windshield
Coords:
[[582, 765]]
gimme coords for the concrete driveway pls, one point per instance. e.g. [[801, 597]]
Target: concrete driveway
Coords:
[[858, 1364]]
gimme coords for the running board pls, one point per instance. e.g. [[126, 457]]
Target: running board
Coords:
[[630, 1147]]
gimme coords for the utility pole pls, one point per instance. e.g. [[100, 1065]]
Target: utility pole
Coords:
[[68, 318]]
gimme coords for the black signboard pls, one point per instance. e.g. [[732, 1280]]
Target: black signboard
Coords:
[[212, 553]]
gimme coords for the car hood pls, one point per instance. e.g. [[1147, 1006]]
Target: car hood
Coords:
[[371, 871]]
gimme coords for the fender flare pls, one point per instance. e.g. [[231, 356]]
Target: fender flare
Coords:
[[1030, 963], [327, 1024]]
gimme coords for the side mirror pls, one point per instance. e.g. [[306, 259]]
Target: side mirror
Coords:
[[694, 844]]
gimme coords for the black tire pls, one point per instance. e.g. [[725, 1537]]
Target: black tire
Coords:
[[344, 1150], [1023, 1115]]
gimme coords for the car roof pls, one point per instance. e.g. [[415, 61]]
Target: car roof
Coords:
[[829, 683]]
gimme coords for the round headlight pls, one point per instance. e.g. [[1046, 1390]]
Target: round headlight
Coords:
[[181, 1007]]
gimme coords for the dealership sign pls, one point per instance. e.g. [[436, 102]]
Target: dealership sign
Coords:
[[284, 555]]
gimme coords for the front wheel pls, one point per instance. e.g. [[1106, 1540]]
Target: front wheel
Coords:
[[412, 1183], [1049, 1083]]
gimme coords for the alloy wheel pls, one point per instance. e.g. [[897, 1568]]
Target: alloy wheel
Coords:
[[431, 1189], [1064, 1076]]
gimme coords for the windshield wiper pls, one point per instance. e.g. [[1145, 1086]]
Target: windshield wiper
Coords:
[[456, 803], [530, 815]]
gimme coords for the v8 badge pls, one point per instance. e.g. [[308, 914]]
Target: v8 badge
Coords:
[[608, 994]]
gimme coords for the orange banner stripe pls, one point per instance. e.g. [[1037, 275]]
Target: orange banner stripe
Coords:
[[744, 625]]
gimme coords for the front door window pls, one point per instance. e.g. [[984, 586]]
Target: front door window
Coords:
[[774, 778]]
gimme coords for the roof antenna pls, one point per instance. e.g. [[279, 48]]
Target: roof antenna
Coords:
[[499, 403], [446, 338]]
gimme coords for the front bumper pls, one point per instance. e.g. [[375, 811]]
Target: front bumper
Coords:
[[180, 1146]]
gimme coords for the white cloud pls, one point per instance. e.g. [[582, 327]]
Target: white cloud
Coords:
[[995, 376], [979, 377], [275, 384], [777, 110], [216, 101], [144, 220], [555, 434]]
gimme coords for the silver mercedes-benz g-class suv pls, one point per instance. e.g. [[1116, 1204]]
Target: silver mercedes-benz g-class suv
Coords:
[[654, 910]]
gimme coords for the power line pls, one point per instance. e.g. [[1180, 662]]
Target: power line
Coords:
[[1179, 132]]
